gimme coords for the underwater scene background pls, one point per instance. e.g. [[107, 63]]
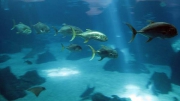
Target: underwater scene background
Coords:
[[80, 50]]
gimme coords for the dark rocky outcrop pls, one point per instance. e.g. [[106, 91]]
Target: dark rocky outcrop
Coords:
[[175, 68], [34, 51], [121, 66], [132, 67], [159, 83], [4, 58], [45, 57], [101, 97], [9, 85], [13, 88], [31, 78]]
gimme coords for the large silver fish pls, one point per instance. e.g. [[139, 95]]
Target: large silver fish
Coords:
[[155, 29], [41, 28], [67, 30], [95, 35], [21, 28]]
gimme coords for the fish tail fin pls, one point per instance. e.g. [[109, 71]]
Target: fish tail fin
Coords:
[[74, 34], [62, 47], [14, 24], [56, 30], [133, 30], [93, 52]]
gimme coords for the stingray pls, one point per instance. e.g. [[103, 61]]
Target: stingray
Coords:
[[36, 90]]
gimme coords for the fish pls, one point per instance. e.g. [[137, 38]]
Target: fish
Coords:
[[36, 90], [155, 29], [87, 93], [21, 28], [28, 62], [103, 52], [67, 30], [91, 34], [72, 47], [41, 28]]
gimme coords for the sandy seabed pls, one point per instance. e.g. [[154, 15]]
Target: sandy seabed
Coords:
[[67, 79]]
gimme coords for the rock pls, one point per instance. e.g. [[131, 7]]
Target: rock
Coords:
[[30, 79], [133, 67], [152, 53], [100, 97], [175, 66], [117, 98], [45, 57], [34, 51], [12, 88], [159, 83], [121, 66], [9, 86], [4, 58]]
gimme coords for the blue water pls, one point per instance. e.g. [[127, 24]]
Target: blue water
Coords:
[[106, 16]]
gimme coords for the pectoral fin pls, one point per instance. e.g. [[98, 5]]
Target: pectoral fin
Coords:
[[93, 52], [101, 58], [86, 41], [149, 39], [62, 47]]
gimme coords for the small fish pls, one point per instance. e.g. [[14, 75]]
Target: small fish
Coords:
[[41, 28], [36, 90], [21, 28], [155, 29], [95, 35], [67, 30], [28, 62], [72, 47], [104, 52]]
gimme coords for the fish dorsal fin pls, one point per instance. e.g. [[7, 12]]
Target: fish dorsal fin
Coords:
[[20, 23], [36, 90], [150, 21], [102, 46], [86, 40], [149, 39], [88, 30]]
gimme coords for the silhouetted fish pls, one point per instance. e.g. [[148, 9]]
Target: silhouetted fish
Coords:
[[41, 28], [155, 29], [36, 90], [95, 35], [72, 47], [21, 28]]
